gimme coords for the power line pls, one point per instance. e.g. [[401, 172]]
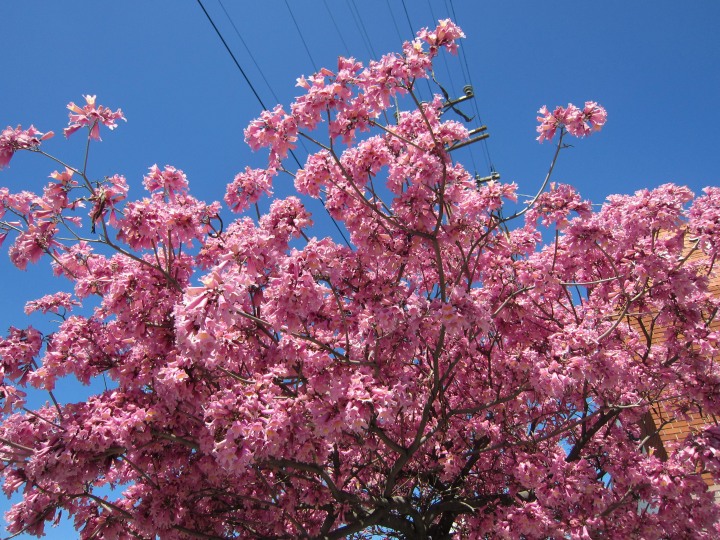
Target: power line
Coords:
[[444, 60], [250, 84], [407, 16], [262, 104], [361, 26], [464, 61], [392, 15], [412, 35], [359, 30], [307, 49], [227, 48], [250, 54], [252, 57], [337, 28]]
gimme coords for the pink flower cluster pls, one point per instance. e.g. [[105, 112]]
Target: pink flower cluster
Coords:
[[578, 122], [555, 206], [151, 222], [352, 98], [106, 199], [445, 35], [170, 181], [92, 116], [247, 188], [13, 139], [18, 351], [275, 129], [52, 303]]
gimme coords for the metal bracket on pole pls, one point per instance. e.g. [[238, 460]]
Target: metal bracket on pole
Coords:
[[481, 129], [450, 103], [494, 176], [469, 94]]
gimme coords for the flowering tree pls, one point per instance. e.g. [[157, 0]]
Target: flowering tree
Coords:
[[443, 375]]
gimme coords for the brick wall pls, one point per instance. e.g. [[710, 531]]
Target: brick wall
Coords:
[[662, 425]]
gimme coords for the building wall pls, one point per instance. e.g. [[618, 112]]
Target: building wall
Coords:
[[662, 425]]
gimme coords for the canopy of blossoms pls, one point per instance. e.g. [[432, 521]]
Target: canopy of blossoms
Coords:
[[443, 374]]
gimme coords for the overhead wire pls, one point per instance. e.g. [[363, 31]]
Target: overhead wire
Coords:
[[466, 72], [412, 35], [363, 36], [363, 29], [249, 52], [337, 28], [302, 38], [407, 16], [394, 20], [464, 62], [472, 155], [252, 57], [312, 61], [227, 48], [397, 31], [443, 59], [260, 101]]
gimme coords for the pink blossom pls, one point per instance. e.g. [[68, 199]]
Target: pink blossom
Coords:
[[579, 123], [18, 351], [149, 223], [15, 139], [318, 170], [595, 114], [274, 129], [108, 197], [247, 188], [444, 35], [33, 243], [549, 122], [56, 193], [92, 116], [554, 206], [52, 302], [169, 181], [287, 217]]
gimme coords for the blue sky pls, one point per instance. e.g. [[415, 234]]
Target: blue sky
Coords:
[[654, 66]]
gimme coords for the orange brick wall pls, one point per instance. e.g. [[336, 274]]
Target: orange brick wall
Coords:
[[673, 429]]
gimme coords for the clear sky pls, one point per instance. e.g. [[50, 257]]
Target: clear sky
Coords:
[[655, 66]]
